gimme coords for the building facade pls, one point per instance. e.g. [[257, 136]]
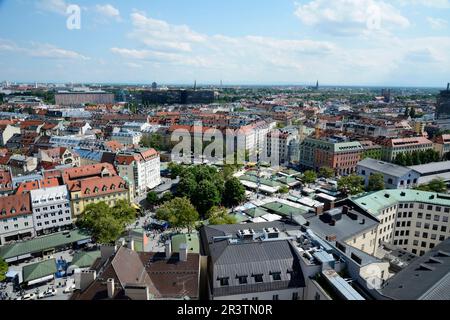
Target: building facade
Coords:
[[51, 209], [392, 147], [16, 219], [142, 167]]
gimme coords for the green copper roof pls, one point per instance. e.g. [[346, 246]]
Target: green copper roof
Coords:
[[42, 243], [85, 259], [267, 182], [374, 202], [39, 270], [191, 239], [283, 209]]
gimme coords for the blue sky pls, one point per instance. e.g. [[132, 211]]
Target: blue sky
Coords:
[[348, 42]]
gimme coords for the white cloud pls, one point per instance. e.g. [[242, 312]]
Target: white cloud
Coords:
[[437, 23], [351, 17], [108, 11], [39, 50], [159, 34], [55, 6], [438, 4]]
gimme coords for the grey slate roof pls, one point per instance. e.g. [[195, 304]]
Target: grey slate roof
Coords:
[[384, 167], [344, 229], [426, 278], [248, 258]]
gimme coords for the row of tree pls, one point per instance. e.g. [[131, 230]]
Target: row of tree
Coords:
[[417, 157]]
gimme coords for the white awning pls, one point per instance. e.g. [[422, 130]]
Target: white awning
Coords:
[[43, 279]]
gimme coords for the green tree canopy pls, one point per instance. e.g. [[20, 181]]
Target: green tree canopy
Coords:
[[152, 198], [351, 184], [234, 193], [3, 269], [175, 169], [283, 189], [105, 223], [219, 215], [376, 182], [179, 212], [206, 196], [326, 172], [435, 185], [309, 176]]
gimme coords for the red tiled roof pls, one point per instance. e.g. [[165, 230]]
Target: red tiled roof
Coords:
[[87, 171], [5, 180], [15, 205], [38, 184]]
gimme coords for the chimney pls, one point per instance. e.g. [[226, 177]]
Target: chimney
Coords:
[[183, 252], [106, 251], [110, 286], [168, 249], [86, 278], [131, 244]]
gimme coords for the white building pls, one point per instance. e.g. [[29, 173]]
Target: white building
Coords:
[[142, 167], [51, 208], [394, 176], [127, 137], [70, 141]]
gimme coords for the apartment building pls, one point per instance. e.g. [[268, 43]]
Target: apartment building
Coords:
[[93, 184], [343, 157], [6, 132], [16, 219], [414, 220], [127, 137], [51, 209], [392, 147], [142, 167], [59, 156], [442, 144]]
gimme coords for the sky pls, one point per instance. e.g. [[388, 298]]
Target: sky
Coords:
[[337, 42]]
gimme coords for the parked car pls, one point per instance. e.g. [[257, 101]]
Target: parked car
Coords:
[[29, 296], [69, 288], [49, 293]]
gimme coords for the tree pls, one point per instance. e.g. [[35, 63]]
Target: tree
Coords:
[[175, 169], [187, 185], [283, 189], [400, 159], [179, 212], [219, 215], [351, 184], [415, 156], [412, 113], [167, 196], [376, 182], [435, 185], [152, 198], [234, 192], [105, 223], [326, 172], [206, 196], [309, 176], [3, 269], [228, 171]]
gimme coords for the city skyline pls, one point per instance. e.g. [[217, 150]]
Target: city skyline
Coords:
[[403, 43]]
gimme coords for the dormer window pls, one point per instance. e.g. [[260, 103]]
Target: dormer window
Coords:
[[13, 210], [105, 188], [224, 281], [242, 279], [276, 276], [113, 187], [95, 190], [88, 191], [258, 277]]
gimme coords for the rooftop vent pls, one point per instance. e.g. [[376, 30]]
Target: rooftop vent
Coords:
[[271, 233], [402, 194], [246, 234], [386, 195]]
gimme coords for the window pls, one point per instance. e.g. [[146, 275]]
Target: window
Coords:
[[415, 242], [425, 235], [423, 244], [444, 219], [428, 216], [276, 276], [295, 296], [418, 224], [433, 236], [427, 226], [414, 251], [438, 209], [441, 238], [411, 205], [443, 228], [255, 298], [446, 209], [420, 215], [429, 207], [410, 214], [223, 282], [242, 279], [275, 297], [435, 227], [317, 296], [258, 277], [421, 206]]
